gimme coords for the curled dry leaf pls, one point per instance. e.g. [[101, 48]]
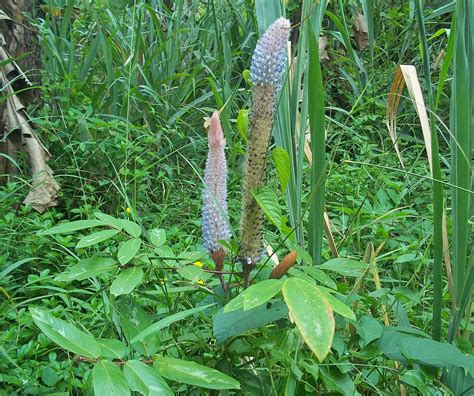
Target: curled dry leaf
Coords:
[[285, 264]]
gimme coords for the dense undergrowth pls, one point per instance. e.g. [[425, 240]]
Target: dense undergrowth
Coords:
[[125, 90]]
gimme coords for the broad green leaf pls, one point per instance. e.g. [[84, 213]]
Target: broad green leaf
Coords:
[[66, 335], [112, 349], [335, 381], [345, 267], [145, 379], [282, 165], [312, 314], [255, 295], [108, 379], [126, 281], [435, 353], [191, 256], [187, 372], [96, 238], [226, 325], [157, 237], [408, 348], [71, 227], [262, 292], [369, 330], [338, 306], [268, 201], [320, 276], [167, 321], [416, 379], [191, 272], [128, 250], [87, 268], [131, 228], [134, 319], [109, 220]]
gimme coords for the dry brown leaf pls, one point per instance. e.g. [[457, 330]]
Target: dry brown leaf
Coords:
[[44, 187], [361, 33]]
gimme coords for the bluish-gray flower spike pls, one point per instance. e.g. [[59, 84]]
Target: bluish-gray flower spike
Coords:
[[270, 55]]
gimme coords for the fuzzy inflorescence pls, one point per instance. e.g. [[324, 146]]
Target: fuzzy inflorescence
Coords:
[[269, 58], [215, 226], [267, 71]]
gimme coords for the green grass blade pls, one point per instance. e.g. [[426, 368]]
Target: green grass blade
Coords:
[[318, 168], [462, 126], [437, 186]]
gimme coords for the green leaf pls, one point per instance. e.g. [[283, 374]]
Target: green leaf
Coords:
[[243, 124], [109, 220], [112, 349], [191, 256], [131, 228], [320, 276], [268, 201], [187, 372], [338, 306], [145, 379], [71, 227], [128, 250], [416, 379], [87, 268], [191, 272], [369, 329], [108, 379], [282, 165], [134, 319], [345, 267], [157, 236], [126, 281], [167, 321], [255, 295], [312, 314], [96, 238], [65, 335], [226, 325], [335, 381]]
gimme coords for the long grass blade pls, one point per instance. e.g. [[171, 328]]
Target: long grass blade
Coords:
[[462, 126], [437, 186], [318, 148]]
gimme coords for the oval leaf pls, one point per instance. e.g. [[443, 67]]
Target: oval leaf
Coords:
[[65, 335], [345, 266], [108, 379], [282, 165], [128, 250], [127, 280], [312, 314], [145, 379], [255, 295], [268, 201], [157, 237], [131, 228], [167, 321], [95, 238], [109, 220], [71, 227], [87, 268], [186, 372], [113, 349]]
